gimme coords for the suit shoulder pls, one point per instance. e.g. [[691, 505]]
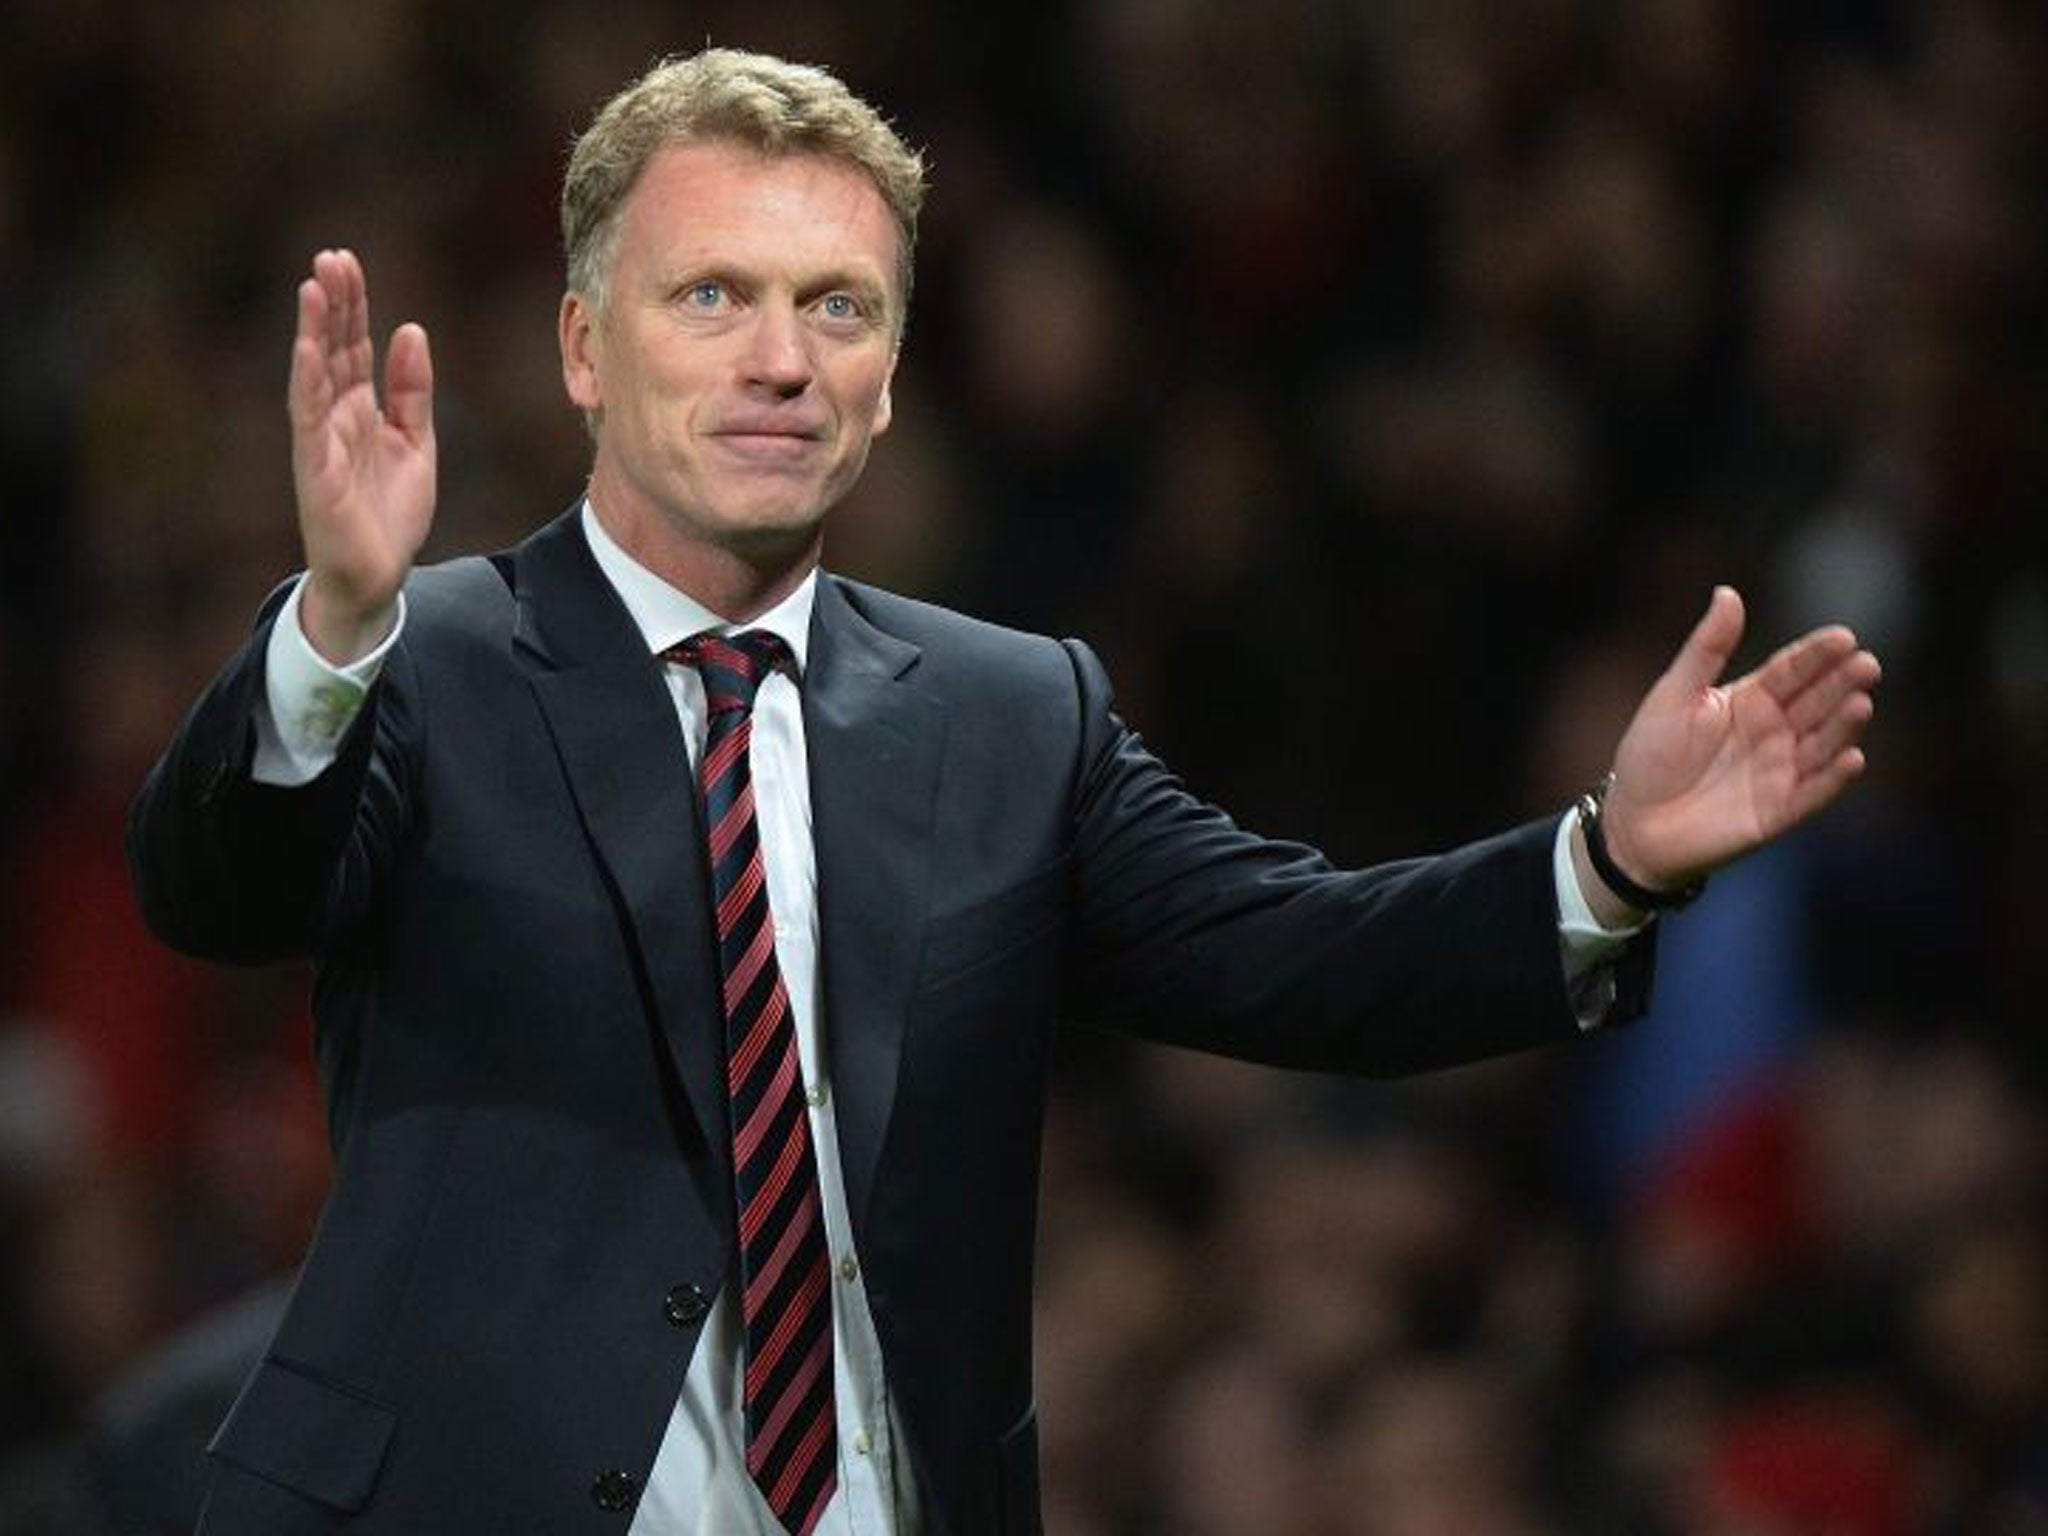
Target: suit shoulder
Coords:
[[951, 639], [469, 597], [1018, 703]]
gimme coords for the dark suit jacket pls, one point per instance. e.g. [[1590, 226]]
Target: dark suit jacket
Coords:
[[518, 1025]]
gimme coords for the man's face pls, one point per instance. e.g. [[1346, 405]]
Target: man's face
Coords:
[[741, 364]]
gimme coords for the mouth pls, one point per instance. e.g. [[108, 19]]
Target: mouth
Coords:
[[773, 443]]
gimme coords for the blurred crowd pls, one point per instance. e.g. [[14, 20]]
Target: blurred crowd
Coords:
[[1406, 370]]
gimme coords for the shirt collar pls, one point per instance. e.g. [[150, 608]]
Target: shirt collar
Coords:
[[667, 615]]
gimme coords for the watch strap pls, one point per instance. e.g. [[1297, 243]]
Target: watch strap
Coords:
[[1591, 808]]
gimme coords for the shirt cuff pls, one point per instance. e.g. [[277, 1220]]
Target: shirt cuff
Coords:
[[1589, 948], [309, 703]]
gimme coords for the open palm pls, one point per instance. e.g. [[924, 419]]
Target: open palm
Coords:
[[364, 476], [1708, 771]]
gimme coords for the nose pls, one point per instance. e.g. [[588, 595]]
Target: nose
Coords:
[[777, 355]]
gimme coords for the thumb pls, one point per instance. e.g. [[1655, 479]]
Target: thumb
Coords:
[[1704, 656]]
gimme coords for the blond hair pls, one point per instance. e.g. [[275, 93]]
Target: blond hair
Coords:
[[726, 95]]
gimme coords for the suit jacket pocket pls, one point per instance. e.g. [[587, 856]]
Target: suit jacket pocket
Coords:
[[310, 1435], [965, 940]]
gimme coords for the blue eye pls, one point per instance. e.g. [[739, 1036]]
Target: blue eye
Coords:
[[842, 306], [707, 294]]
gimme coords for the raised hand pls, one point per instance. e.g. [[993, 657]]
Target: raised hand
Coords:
[[364, 477], [1708, 771]]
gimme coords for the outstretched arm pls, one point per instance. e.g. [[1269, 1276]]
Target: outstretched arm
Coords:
[[1707, 771], [364, 476]]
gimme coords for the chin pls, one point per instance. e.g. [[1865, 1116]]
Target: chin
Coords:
[[771, 536]]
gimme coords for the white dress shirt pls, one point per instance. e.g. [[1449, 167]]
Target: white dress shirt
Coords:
[[699, 1485]]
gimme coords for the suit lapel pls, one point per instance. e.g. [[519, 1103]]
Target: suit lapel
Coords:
[[614, 729], [875, 742]]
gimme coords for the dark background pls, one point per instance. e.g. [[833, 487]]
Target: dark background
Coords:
[[1398, 374]]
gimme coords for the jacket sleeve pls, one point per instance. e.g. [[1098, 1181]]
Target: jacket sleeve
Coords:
[[1194, 931], [230, 869]]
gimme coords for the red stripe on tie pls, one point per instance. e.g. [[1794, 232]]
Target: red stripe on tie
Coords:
[[763, 1362], [809, 1523], [734, 901], [801, 1461], [719, 756], [747, 969], [741, 1059], [762, 1282], [737, 818], [747, 1137], [769, 1435], [774, 1182]]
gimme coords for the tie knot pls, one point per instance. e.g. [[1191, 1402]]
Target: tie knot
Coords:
[[732, 666]]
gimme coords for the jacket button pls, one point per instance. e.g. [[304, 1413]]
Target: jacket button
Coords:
[[686, 1304], [615, 1490]]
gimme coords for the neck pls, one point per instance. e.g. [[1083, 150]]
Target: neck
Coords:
[[737, 580]]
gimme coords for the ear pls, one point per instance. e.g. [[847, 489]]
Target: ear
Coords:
[[577, 330]]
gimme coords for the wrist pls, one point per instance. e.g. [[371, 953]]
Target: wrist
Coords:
[[1608, 911], [341, 627], [1639, 896]]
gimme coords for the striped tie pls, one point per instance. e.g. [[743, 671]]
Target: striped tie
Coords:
[[785, 1271]]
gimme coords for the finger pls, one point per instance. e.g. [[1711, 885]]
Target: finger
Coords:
[[312, 311], [306, 392], [1704, 656], [1817, 791], [347, 338], [409, 382], [333, 280], [1857, 672], [1836, 734], [355, 337], [1795, 665], [331, 309]]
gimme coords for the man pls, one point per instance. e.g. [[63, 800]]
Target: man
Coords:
[[687, 1136]]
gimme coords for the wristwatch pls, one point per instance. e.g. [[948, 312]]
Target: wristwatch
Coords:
[[1591, 805]]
